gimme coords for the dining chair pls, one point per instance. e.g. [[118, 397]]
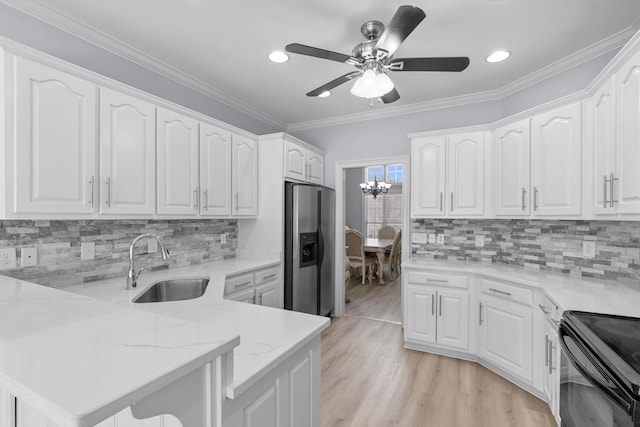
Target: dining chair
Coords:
[[347, 276], [396, 254], [355, 253], [386, 232], [390, 257]]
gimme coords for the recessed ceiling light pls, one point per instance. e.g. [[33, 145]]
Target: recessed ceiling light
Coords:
[[278, 56], [324, 94], [498, 55]]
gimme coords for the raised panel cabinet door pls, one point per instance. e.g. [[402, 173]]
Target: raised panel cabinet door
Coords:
[[428, 176], [266, 295], [511, 165], [295, 161], [263, 411], [551, 374], [244, 176], [556, 161], [215, 171], [453, 318], [420, 314], [127, 154], [315, 167], [466, 174], [604, 151], [301, 392], [177, 145], [628, 137], [26, 416], [506, 336], [56, 141]]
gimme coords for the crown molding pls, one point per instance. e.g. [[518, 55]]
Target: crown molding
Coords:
[[65, 22]]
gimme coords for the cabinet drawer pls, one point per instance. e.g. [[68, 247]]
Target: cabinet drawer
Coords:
[[436, 279], [239, 282], [507, 291], [267, 275]]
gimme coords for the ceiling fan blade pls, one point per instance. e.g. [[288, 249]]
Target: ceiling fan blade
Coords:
[[391, 96], [316, 52], [334, 83], [405, 20], [430, 64]]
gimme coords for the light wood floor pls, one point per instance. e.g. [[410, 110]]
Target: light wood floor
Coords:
[[369, 379]]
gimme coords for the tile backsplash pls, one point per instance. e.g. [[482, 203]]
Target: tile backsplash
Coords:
[[58, 244], [555, 245]]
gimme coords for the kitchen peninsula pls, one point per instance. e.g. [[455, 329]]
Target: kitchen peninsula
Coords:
[[265, 362]]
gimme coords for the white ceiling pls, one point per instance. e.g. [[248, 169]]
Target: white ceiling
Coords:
[[221, 47]]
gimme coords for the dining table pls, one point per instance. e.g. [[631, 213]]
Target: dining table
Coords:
[[378, 247]]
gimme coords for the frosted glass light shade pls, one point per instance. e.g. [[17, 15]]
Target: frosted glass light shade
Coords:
[[372, 84]]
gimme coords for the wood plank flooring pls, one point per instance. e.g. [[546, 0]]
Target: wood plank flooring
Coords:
[[369, 379]]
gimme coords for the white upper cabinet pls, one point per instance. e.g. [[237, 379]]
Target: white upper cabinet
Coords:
[[428, 156], [55, 148], [511, 167], [627, 189], [244, 176], [303, 163], [466, 173], [177, 145], [604, 161], [556, 159], [215, 170], [127, 154]]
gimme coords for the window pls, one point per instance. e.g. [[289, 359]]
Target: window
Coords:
[[385, 209]]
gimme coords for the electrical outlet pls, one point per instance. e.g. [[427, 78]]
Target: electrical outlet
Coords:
[[223, 238], [8, 258], [480, 240], [432, 238], [589, 248], [152, 246], [441, 239], [28, 257], [87, 251]]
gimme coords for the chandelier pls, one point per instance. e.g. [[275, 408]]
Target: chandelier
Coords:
[[375, 187]]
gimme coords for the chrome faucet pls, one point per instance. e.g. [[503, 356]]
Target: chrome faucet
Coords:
[[132, 277]]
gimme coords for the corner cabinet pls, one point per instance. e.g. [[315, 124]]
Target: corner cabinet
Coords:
[[556, 161], [127, 154], [259, 287], [448, 174]]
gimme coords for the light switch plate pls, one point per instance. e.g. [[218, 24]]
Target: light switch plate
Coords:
[[87, 251], [480, 240], [29, 257], [441, 239], [8, 258], [152, 246], [432, 238], [589, 248]]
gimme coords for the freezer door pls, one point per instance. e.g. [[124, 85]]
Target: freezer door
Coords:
[[326, 237], [304, 287]]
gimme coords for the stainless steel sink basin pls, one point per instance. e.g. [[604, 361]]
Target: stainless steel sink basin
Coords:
[[174, 290]]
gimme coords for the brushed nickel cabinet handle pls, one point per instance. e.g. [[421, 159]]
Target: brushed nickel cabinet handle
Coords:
[[91, 185], [480, 315], [441, 202], [270, 276], [611, 199], [544, 309], [108, 201], [195, 199], [440, 304], [433, 309], [452, 201], [500, 292], [206, 201], [524, 194], [604, 191], [535, 198], [546, 351], [237, 200]]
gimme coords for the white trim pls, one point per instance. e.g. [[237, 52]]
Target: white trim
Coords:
[[340, 217]]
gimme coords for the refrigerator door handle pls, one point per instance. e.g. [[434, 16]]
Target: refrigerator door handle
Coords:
[[320, 245]]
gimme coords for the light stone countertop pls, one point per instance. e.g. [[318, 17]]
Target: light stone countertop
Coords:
[[268, 336], [78, 360], [582, 294]]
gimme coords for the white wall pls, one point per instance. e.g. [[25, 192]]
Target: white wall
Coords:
[[354, 202]]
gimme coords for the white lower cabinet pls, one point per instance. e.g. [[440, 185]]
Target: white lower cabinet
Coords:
[[259, 287], [436, 313], [551, 374]]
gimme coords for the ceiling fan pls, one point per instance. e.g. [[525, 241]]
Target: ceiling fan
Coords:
[[375, 55]]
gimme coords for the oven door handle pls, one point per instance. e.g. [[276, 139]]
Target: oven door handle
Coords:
[[625, 403]]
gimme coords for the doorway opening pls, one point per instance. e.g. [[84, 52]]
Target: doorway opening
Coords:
[[367, 215]]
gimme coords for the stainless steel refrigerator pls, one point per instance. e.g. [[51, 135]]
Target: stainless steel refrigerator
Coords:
[[309, 242]]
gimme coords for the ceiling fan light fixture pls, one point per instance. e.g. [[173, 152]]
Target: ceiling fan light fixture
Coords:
[[372, 84], [498, 56], [278, 57]]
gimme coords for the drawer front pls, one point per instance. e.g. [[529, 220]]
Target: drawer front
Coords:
[[438, 279], [507, 291], [238, 283], [267, 275]]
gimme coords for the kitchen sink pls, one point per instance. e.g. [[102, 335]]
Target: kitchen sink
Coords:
[[173, 290]]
